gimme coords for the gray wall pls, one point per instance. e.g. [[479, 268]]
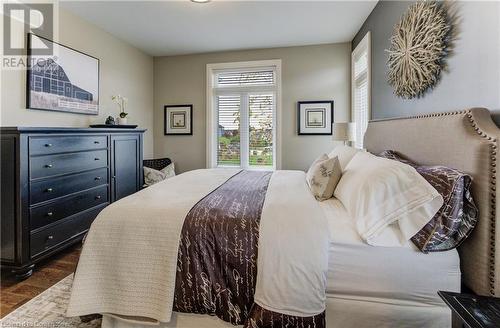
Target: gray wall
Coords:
[[472, 78], [123, 69], [319, 72]]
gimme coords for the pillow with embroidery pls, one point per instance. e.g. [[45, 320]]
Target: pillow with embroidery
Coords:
[[152, 176], [323, 176]]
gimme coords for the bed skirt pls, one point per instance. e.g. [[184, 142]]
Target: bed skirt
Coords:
[[340, 313]]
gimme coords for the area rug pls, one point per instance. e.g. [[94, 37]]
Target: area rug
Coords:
[[47, 310]]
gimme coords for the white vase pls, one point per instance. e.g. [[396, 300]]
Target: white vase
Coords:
[[122, 120]]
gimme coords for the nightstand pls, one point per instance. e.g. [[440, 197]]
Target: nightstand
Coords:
[[472, 311]]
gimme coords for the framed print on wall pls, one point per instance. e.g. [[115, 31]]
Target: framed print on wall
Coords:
[[315, 117], [178, 119], [65, 81]]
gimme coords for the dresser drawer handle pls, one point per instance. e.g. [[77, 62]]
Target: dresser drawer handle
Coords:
[[97, 178], [96, 142], [50, 237], [98, 197], [48, 166], [96, 159], [49, 190], [49, 214], [48, 145]]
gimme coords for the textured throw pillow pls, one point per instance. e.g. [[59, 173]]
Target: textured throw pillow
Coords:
[[323, 176], [152, 176], [456, 219]]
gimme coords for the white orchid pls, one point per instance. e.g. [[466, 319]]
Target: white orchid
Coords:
[[121, 102]]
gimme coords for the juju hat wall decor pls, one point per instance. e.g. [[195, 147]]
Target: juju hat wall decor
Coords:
[[418, 48]]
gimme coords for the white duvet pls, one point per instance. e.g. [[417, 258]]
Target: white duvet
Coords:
[[293, 248]]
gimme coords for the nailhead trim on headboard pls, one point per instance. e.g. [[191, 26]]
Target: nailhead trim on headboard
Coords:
[[493, 157], [461, 112], [493, 153]]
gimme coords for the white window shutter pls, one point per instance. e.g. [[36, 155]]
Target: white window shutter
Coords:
[[361, 74]]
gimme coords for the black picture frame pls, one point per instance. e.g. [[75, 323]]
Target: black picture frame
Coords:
[[327, 124], [29, 73], [166, 120]]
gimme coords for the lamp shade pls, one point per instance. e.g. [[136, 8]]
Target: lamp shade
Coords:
[[344, 131]]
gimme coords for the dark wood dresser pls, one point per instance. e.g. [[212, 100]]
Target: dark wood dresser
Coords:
[[54, 182]]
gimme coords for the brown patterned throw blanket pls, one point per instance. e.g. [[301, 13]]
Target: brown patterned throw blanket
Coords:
[[217, 258]]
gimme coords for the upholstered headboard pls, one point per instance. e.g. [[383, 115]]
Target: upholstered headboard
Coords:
[[466, 140]]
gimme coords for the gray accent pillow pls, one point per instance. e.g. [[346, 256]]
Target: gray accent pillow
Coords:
[[323, 176]]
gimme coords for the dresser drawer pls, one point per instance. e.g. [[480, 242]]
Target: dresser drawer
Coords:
[[41, 216], [71, 227], [47, 189], [50, 165], [62, 144]]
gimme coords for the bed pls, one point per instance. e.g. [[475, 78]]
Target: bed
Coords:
[[365, 285]]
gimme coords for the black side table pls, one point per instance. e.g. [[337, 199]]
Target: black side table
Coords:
[[472, 311]]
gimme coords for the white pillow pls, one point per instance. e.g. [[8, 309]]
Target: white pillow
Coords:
[[344, 154], [389, 200], [323, 176], [152, 176]]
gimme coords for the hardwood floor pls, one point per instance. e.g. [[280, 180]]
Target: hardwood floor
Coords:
[[15, 293]]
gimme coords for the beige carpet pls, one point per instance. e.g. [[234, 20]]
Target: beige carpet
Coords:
[[47, 310]]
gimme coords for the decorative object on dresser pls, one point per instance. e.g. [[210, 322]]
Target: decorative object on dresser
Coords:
[[472, 311], [64, 79], [315, 117], [121, 102], [114, 126], [419, 45], [110, 121], [178, 119], [54, 183]]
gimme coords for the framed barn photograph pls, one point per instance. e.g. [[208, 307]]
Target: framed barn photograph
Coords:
[[178, 119], [65, 81], [315, 117]]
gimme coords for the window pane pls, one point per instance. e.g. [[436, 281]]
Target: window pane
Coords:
[[361, 64], [228, 132], [361, 111], [261, 130], [245, 78]]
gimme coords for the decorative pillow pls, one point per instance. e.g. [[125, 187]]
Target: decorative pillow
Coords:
[[323, 176], [152, 176], [344, 154], [381, 195], [456, 219], [169, 171]]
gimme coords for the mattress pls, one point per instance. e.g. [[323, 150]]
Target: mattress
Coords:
[[391, 275]]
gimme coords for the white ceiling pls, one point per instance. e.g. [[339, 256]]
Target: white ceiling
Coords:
[[164, 28]]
